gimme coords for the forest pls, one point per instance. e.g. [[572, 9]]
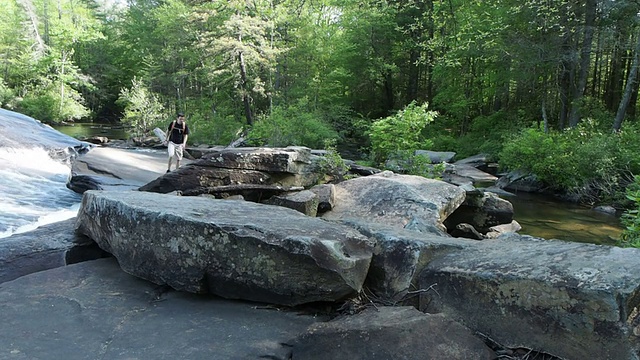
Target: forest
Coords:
[[547, 87]]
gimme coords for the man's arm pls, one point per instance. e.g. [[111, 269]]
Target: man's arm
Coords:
[[186, 135], [168, 132]]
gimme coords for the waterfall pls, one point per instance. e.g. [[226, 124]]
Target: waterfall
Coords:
[[35, 168]]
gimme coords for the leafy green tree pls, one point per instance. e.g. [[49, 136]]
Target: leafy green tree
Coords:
[[143, 110], [238, 52]]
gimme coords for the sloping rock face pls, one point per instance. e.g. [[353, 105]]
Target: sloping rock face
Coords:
[[390, 333], [575, 301], [234, 249], [94, 310], [399, 201], [21, 131]]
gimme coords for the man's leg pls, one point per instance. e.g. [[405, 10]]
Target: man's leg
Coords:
[[171, 148], [179, 149]]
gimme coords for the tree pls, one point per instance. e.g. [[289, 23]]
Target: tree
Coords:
[[632, 80], [143, 110], [235, 39]]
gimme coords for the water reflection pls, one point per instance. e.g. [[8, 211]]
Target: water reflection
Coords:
[[549, 218], [87, 130]]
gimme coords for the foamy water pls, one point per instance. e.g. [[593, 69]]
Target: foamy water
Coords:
[[33, 190], [34, 172]]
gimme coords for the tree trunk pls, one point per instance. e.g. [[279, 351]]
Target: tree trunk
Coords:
[[389, 99], [585, 58], [27, 5], [412, 83], [631, 110], [615, 79], [246, 98], [64, 58], [631, 79]]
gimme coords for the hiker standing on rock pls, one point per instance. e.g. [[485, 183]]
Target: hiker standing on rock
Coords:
[[177, 134]]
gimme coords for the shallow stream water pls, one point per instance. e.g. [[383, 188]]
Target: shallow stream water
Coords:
[[549, 218], [87, 130]]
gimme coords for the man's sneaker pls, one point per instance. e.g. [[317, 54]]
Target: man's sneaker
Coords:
[[168, 171]]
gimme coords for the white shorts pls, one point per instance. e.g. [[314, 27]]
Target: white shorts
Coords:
[[175, 150]]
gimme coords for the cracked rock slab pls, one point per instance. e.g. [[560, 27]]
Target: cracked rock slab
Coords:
[[234, 249]]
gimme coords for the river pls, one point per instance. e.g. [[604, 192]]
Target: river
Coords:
[[550, 218], [33, 187]]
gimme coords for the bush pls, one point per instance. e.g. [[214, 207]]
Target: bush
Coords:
[[291, 125], [332, 164], [7, 95], [214, 131], [487, 134], [401, 132], [587, 161], [630, 219]]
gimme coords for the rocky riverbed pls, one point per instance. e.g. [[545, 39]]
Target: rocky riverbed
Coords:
[[404, 286]]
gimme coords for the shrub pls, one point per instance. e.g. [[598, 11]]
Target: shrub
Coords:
[[7, 95], [332, 164], [631, 218], [401, 132], [591, 163], [44, 103], [291, 125]]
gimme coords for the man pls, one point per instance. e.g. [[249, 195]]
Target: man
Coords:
[[177, 135]]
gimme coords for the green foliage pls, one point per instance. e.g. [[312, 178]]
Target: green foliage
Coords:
[[401, 132], [487, 134], [421, 165], [143, 110], [45, 103], [332, 164], [591, 163], [291, 125], [7, 95], [631, 218], [219, 130]]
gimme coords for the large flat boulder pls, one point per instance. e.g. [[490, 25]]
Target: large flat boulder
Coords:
[[576, 301], [193, 177], [399, 257], [235, 249], [399, 201], [94, 310]]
